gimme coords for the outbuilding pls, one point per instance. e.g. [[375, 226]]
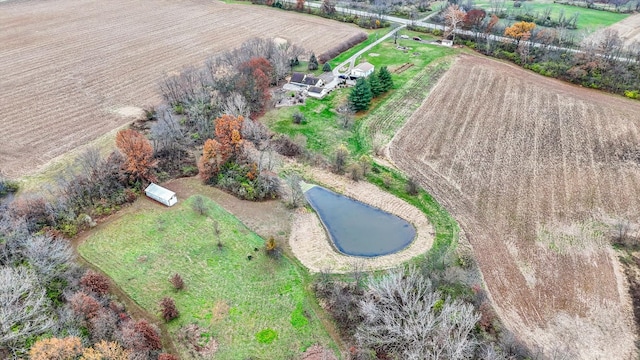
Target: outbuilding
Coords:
[[362, 70], [160, 194]]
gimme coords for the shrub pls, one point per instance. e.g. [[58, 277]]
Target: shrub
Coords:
[[148, 334], [271, 247], [355, 172], [342, 47], [635, 94], [285, 146], [412, 187], [340, 159], [167, 357], [177, 282], [299, 118], [95, 282], [436, 32], [198, 205], [168, 309], [266, 336], [8, 187], [54, 348], [85, 305]]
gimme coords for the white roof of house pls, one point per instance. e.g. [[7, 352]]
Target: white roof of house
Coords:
[[365, 66], [159, 191]]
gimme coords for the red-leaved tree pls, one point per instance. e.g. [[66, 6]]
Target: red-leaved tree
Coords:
[[138, 151], [253, 83], [226, 146]]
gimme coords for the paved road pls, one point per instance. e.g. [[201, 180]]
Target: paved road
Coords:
[[351, 61]]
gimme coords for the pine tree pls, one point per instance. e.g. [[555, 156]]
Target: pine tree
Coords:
[[360, 96], [385, 79], [375, 85], [313, 62], [326, 67]]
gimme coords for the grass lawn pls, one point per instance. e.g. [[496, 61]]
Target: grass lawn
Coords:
[[253, 308], [589, 19], [322, 130]]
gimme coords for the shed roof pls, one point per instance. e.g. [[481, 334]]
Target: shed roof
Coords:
[[310, 80], [315, 89], [159, 191], [365, 66], [297, 77]]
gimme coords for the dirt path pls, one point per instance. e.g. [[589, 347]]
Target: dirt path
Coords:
[[310, 244]]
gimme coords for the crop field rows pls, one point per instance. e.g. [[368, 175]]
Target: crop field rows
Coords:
[[390, 116], [68, 67], [533, 169]]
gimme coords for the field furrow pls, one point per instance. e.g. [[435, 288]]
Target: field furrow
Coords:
[[528, 165], [66, 66]]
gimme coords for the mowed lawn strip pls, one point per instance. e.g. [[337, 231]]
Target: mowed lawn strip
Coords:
[[231, 297]]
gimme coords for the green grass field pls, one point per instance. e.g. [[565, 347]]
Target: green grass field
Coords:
[[411, 86], [242, 304], [589, 19]]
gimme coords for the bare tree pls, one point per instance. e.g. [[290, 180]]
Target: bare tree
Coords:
[[51, 258], [25, 311], [295, 194], [406, 318], [453, 20], [235, 104]]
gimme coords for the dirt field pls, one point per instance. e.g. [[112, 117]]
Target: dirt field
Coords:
[[533, 169], [72, 70], [629, 29]]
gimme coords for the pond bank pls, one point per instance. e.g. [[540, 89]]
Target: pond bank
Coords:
[[311, 245]]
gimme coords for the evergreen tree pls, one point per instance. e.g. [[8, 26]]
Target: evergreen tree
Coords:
[[385, 79], [375, 85], [313, 62], [326, 67], [360, 96]]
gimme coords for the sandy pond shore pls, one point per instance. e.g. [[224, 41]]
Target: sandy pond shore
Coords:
[[310, 243]]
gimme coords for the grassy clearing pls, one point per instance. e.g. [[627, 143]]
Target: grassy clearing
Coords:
[[589, 19], [253, 308], [373, 37], [322, 131]]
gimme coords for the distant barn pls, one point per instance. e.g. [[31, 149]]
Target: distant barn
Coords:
[[160, 194]]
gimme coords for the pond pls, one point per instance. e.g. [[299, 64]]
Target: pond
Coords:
[[359, 229]]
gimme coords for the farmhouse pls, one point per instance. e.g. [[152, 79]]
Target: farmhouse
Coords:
[[362, 70], [312, 81], [160, 194], [297, 79]]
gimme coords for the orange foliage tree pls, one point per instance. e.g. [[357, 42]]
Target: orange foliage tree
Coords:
[[255, 78], [225, 147], [106, 350], [54, 348], [520, 30], [139, 153]]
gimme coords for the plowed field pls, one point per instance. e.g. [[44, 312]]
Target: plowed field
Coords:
[[70, 69], [534, 169], [629, 29]]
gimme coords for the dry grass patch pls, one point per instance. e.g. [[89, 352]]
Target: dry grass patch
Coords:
[[510, 154]]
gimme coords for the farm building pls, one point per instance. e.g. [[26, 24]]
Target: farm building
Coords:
[[160, 194], [316, 92], [362, 70], [312, 81]]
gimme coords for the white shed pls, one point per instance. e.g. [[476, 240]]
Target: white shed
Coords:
[[362, 70], [160, 194]]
